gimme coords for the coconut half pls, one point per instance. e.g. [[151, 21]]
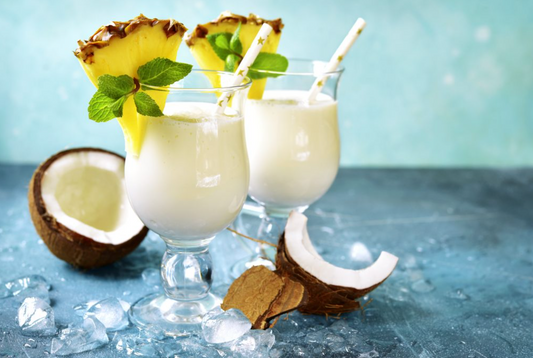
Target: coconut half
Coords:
[[330, 289], [79, 206]]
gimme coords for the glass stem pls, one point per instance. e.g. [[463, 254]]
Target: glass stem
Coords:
[[186, 272], [271, 228]]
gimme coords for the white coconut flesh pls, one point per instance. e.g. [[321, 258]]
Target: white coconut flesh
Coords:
[[85, 191], [302, 251]]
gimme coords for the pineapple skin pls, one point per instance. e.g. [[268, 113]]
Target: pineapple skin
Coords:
[[123, 56], [207, 59]]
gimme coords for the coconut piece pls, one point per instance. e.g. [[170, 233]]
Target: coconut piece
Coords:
[[291, 297], [79, 207], [253, 293], [330, 289], [262, 294]]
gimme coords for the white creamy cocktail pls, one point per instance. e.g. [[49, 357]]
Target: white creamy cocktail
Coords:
[[293, 146], [189, 182], [190, 179]]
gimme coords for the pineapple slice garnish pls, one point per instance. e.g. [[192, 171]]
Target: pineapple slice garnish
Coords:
[[206, 57], [120, 48]]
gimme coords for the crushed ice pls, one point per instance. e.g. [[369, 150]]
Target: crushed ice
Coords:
[[36, 317], [27, 286], [76, 338], [220, 326], [152, 277], [110, 312]]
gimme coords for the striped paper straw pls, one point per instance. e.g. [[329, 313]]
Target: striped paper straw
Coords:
[[246, 62], [337, 57]]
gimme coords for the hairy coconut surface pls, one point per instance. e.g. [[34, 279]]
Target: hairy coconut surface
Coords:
[[330, 289], [262, 295], [321, 297], [79, 250]]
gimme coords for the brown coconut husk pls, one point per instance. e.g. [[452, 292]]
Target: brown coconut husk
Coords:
[[262, 295], [72, 247], [321, 297]]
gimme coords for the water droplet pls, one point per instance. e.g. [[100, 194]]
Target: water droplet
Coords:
[[458, 295], [327, 230], [422, 286], [31, 343]]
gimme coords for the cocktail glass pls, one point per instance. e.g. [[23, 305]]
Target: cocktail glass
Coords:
[[293, 146], [188, 183]]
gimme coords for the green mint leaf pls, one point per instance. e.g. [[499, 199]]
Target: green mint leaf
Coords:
[[235, 44], [231, 64], [220, 52], [146, 105], [117, 107], [268, 62], [103, 108], [162, 72], [222, 42], [115, 87]]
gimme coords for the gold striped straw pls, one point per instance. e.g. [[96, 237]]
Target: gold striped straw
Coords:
[[337, 57], [246, 62]]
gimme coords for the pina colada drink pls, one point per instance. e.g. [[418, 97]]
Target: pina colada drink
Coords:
[[294, 148], [190, 178]]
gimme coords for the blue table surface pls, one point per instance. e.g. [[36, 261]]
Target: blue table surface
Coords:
[[463, 286]]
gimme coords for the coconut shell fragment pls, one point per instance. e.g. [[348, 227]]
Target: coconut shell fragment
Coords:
[[262, 295], [330, 289], [66, 244], [303, 280], [321, 297]]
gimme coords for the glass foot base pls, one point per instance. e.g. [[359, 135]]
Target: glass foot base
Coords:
[[244, 264], [173, 318]]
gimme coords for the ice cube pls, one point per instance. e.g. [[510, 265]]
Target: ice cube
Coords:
[[359, 252], [422, 286], [36, 318], [256, 343], [27, 286], [134, 344], [335, 343], [152, 277], [193, 347], [341, 328], [110, 312], [221, 327], [77, 338], [315, 337], [81, 308], [287, 328]]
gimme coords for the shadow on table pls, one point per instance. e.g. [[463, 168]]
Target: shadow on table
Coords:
[[131, 266]]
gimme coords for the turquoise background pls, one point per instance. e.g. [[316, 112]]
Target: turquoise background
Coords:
[[429, 83]]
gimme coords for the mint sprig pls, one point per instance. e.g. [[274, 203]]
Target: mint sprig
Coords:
[[113, 91], [162, 72], [221, 51], [228, 48], [268, 62], [115, 87], [235, 43]]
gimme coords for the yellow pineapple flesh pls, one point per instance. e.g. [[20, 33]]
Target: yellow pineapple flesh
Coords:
[[206, 57], [120, 48]]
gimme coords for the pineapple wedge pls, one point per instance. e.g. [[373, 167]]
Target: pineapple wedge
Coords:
[[206, 57], [120, 48]]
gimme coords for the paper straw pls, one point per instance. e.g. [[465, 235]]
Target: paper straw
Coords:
[[337, 57], [242, 70]]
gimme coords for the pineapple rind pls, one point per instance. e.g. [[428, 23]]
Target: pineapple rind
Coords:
[[123, 56]]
